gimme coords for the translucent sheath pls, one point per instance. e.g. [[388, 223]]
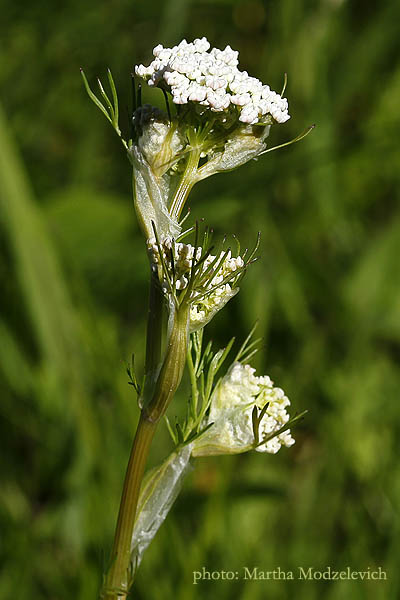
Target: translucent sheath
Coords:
[[159, 492]]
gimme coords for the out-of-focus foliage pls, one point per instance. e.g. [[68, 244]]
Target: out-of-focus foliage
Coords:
[[327, 294]]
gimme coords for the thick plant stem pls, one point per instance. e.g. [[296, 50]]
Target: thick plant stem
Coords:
[[172, 369], [119, 577]]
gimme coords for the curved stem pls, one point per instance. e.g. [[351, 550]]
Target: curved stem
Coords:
[[119, 578], [172, 369], [185, 185]]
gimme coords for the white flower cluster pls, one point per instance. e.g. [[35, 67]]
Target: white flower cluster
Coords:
[[212, 79], [231, 410], [212, 290]]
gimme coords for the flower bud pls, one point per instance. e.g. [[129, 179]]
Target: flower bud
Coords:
[[214, 280], [231, 410], [157, 139]]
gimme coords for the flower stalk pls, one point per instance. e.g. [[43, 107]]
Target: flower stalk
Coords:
[[120, 575], [172, 369], [185, 185]]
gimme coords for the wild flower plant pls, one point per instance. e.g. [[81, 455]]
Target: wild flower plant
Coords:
[[221, 120]]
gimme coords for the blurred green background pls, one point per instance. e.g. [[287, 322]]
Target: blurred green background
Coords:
[[73, 301]]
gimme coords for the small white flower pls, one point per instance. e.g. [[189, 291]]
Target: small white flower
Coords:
[[231, 410]]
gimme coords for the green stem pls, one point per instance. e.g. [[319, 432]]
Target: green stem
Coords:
[[153, 337], [185, 185], [172, 369], [193, 383], [154, 324], [119, 578]]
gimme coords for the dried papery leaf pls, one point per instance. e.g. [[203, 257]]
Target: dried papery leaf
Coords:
[[159, 491]]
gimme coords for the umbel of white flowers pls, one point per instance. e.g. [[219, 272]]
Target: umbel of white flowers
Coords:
[[222, 120], [224, 123], [214, 284], [232, 432], [194, 73], [231, 412]]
